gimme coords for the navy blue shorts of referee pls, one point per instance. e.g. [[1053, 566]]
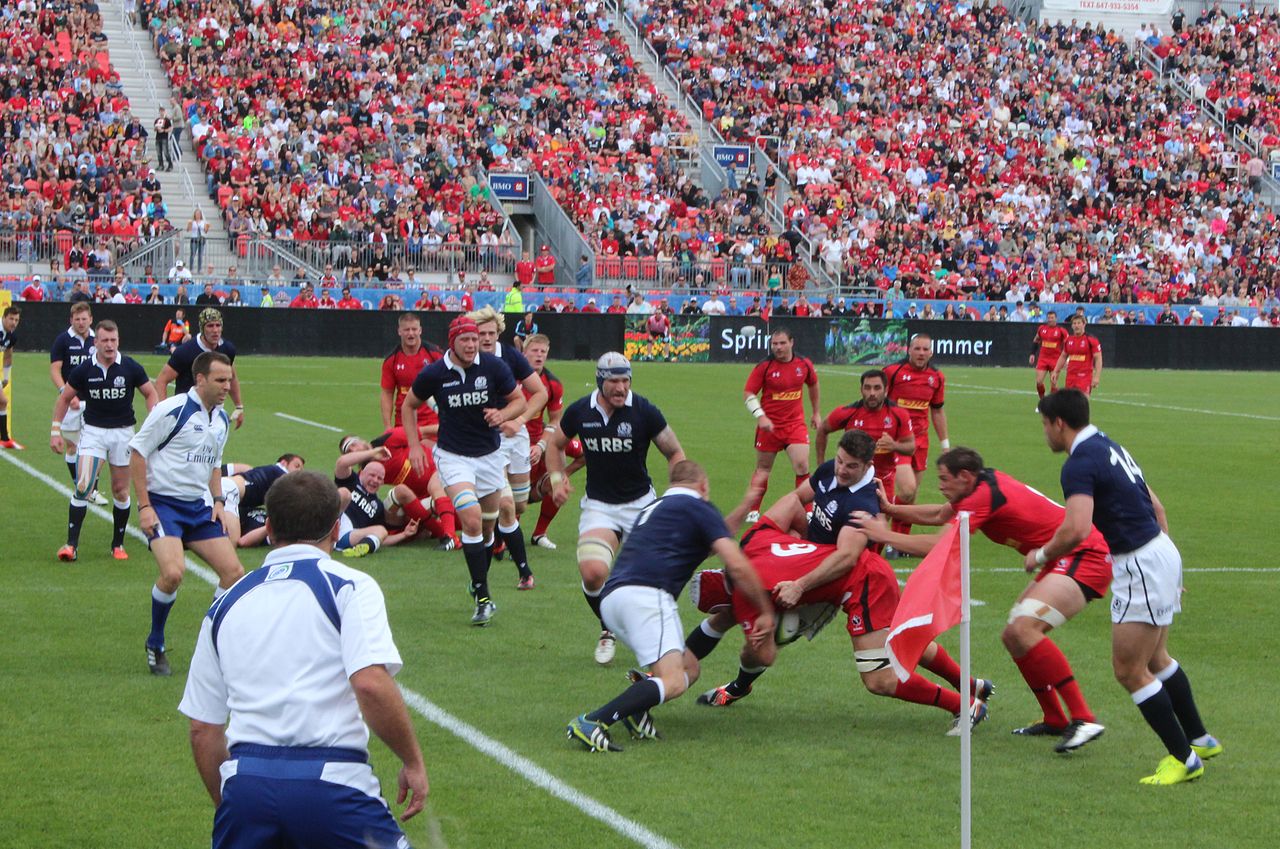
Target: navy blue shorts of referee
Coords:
[[189, 521]]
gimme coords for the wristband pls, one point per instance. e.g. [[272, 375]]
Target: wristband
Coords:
[[7, 371], [57, 432], [542, 444], [549, 428], [946, 444], [753, 404], [239, 406], [57, 425], [219, 499], [556, 478], [1040, 558]]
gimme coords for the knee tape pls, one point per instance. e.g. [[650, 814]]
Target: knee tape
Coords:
[[506, 493], [871, 660], [520, 492], [594, 549], [466, 498], [1035, 609], [489, 517]]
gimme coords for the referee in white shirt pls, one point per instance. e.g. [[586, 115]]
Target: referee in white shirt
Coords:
[[176, 464], [289, 666]]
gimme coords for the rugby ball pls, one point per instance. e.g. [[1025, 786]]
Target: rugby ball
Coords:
[[748, 331], [804, 621]]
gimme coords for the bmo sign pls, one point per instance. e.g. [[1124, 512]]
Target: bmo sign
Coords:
[[509, 186], [732, 156]]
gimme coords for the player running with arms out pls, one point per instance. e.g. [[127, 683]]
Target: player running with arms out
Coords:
[[882, 420], [515, 440], [400, 368], [8, 338], [71, 348], [616, 427], [779, 381], [292, 669], [475, 394], [536, 349], [178, 370], [1104, 486], [1011, 513], [176, 461], [105, 386], [914, 384], [671, 537], [1082, 358], [1046, 347], [363, 524]]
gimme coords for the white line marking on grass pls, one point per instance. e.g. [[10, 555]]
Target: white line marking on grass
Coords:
[[309, 422], [469, 734]]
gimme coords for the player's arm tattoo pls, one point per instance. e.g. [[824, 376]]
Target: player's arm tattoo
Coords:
[[669, 445]]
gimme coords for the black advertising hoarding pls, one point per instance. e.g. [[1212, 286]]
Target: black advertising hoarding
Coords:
[[842, 341]]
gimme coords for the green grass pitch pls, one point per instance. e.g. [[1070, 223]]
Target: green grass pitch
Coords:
[[95, 753]]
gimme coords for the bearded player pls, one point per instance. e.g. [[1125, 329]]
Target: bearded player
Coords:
[[1082, 357], [779, 382], [914, 384], [1045, 350], [399, 369]]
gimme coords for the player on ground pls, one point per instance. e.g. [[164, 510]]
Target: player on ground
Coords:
[[913, 383], [244, 512], [1046, 347], [8, 337], [420, 497], [779, 382], [105, 386], [300, 658], [475, 393], [176, 460], [70, 349], [515, 440], [882, 420], [179, 368], [536, 349], [363, 524], [671, 536], [399, 369], [1082, 357], [616, 427], [1105, 487], [1011, 513]]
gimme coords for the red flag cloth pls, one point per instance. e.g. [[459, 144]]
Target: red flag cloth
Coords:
[[930, 604]]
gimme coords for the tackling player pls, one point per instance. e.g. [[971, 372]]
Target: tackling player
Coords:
[[399, 369], [1011, 513], [1046, 346], [475, 393], [70, 349], [779, 411], [915, 384], [616, 427], [536, 349], [179, 368], [671, 536], [8, 337], [1103, 485], [1082, 357], [882, 420], [515, 439], [105, 386]]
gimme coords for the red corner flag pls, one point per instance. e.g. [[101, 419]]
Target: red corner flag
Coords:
[[930, 604]]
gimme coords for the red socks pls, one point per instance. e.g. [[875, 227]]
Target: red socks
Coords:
[[415, 509], [801, 479], [1048, 674], [546, 513], [918, 690]]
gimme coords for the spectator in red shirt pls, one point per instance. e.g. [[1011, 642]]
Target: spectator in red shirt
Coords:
[[546, 267], [524, 270], [326, 300], [348, 302], [34, 291], [306, 299]]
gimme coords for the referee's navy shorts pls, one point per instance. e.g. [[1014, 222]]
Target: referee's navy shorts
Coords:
[[189, 521]]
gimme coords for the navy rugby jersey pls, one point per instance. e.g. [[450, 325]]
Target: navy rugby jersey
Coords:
[[833, 503], [107, 394], [256, 483], [515, 361], [7, 339], [184, 357], [1122, 509], [365, 509], [71, 350], [670, 538], [617, 447], [462, 395]]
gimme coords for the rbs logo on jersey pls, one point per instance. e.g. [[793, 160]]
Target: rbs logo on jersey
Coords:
[[607, 444], [469, 399]]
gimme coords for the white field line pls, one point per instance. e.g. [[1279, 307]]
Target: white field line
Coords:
[[428, 710], [309, 422]]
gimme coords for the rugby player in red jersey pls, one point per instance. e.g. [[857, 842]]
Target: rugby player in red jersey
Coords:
[[400, 368], [1082, 357], [536, 349], [882, 420], [779, 382], [917, 386], [1011, 513], [1045, 350]]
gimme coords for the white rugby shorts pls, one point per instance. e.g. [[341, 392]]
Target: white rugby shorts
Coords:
[[73, 420], [486, 472], [231, 492], [646, 619], [106, 443], [1146, 585], [515, 452], [619, 518]]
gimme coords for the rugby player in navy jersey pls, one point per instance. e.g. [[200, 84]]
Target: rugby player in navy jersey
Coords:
[[105, 385], [1104, 487], [363, 524], [71, 348], [672, 535], [178, 368], [245, 487], [515, 438], [475, 393], [616, 427], [8, 338]]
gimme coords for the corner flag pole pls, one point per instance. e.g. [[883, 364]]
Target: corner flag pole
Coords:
[[966, 801]]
